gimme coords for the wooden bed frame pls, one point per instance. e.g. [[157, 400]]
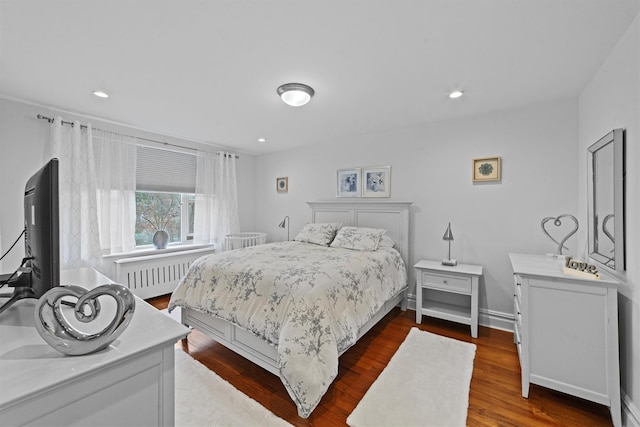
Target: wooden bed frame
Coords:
[[392, 216]]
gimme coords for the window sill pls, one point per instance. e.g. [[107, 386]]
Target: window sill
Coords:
[[153, 251]]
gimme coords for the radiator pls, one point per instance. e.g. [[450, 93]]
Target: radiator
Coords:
[[154, 275]]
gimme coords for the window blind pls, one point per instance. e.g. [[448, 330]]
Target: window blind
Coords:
[[164, 170]]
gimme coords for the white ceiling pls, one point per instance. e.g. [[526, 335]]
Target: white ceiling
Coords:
[[208, 70]]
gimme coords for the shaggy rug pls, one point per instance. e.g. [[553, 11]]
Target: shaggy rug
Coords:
[[426, 383], [205, 399]]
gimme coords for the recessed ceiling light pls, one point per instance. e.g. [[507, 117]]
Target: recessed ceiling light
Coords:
[[262, 140], [456, 94], [100, 94]]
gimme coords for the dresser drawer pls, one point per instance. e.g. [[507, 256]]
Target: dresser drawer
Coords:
[[517, 313], [517, 285], [446, 282], [518, 340]]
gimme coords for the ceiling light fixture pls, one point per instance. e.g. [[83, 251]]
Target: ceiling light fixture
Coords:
[[456, 94], [100, 94], [262, 140], [295, 94]]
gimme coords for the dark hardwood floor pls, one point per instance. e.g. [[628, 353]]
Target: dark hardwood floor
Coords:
[[494, 397]]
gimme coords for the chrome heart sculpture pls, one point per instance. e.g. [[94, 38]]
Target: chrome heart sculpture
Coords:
[[605, 229], [557, 221], [51, 324]]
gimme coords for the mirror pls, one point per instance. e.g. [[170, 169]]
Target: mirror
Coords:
[[606, 200]]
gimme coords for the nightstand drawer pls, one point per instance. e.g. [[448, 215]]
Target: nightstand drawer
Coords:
[[449, 282]]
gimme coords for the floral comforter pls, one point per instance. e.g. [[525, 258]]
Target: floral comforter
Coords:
[[307, 300]]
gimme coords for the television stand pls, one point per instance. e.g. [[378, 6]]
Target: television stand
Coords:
[[22, 288], [18, 294]]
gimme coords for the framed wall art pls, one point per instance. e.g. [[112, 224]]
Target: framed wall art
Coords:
[[487, 169], [376, 181], [282, 185], [349, 182]]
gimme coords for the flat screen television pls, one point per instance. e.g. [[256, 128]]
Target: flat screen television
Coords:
[[40, 269]]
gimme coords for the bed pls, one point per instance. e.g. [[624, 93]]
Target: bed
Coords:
[[294, 307]]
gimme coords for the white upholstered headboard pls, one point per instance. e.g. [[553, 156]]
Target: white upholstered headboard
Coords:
[[390, 215]]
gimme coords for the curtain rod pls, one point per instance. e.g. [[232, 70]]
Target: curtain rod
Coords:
[[50, 120]]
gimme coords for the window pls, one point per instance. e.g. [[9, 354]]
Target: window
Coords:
[[172, 212], [165, 196]]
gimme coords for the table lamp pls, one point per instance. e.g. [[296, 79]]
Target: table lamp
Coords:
[[448, 236], [285, 223]]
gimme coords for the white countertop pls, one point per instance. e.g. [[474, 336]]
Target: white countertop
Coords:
[[552, 266]]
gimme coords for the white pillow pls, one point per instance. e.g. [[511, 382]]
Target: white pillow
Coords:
[[358, 238], [318, 233]]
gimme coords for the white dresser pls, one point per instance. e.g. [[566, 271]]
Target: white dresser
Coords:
[[131, 383], [566, 330]]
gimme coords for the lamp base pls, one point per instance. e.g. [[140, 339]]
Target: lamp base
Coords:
[[449, 262]]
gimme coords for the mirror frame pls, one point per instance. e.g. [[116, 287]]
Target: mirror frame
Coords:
[[616, 263]]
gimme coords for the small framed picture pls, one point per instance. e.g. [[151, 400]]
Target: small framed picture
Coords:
[[376, 181], [487, 169], [349, 182], [282, 185]]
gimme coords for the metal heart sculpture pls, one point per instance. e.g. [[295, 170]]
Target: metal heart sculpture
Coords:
[[605, 229], [53, 327], [557, 221]]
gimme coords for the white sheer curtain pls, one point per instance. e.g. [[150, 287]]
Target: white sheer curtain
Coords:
[[79, 231], [216, 207], [116, 184]]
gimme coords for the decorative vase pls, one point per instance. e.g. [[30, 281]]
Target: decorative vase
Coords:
[[160, 239]]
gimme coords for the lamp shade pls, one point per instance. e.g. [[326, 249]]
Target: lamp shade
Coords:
[[285, 223], [448, 235], [295, 94]]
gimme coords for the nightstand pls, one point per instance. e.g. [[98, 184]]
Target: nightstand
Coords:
[[440, 281]]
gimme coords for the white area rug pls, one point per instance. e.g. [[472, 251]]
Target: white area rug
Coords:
[[205, 399], [426, 383]]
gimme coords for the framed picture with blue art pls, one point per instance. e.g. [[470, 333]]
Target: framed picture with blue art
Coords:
[[349, 182], [376, 181], [487, 169], [282, 185]]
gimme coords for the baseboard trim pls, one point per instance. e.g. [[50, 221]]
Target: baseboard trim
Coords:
[[630, 412], [496, 319]]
